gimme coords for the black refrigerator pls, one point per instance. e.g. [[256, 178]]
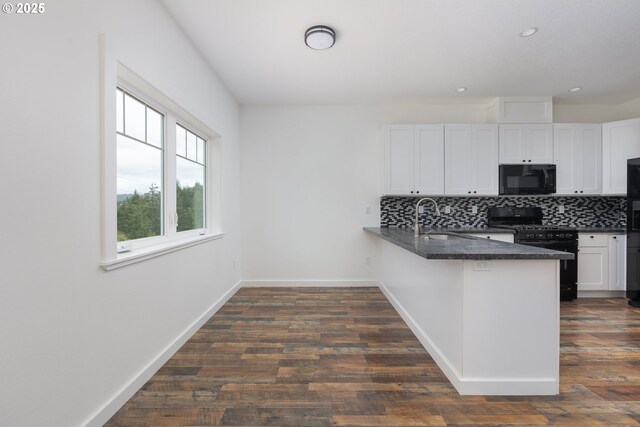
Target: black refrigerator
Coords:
[[633, 232]]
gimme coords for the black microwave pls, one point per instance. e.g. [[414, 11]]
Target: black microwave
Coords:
[[527, 179]]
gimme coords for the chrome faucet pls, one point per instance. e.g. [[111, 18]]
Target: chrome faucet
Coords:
[[416, 225]]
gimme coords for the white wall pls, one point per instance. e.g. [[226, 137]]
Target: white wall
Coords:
[[585, 113], [72, 335], [630, 110], [307, 174], [309, 171]]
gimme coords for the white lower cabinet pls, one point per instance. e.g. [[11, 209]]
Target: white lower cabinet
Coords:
[[501, 237], [601, 262], [617, 262]]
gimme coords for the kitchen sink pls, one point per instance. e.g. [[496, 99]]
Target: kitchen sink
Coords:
[[438, 236]]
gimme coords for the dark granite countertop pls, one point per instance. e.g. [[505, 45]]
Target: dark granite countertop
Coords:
[[462, 247], [614, 230]]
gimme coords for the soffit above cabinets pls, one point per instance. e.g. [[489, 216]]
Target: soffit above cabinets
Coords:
[[418, 51]]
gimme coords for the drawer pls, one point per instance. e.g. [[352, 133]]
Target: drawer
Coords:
[[595, 239]]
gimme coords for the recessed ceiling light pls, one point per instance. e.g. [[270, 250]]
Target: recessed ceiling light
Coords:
[[319, 37], [575, 89], [461, 89], [529, 32]]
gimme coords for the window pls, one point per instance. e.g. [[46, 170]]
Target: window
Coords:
[[191, 172], [158, 195], [161, 175], [140, 153]]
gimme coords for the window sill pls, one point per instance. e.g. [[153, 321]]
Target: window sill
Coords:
[[128, 258]]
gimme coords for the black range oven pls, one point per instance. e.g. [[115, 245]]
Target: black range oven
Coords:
[[529, 230]]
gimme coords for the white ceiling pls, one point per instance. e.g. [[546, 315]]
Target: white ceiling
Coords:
[[418, 51]]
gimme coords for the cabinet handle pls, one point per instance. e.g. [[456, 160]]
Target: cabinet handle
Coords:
[[615, 237], [469, 192], [581, 191], [417, 192], [529, 160], [591, 237], [523, 161], [411, 191], [575, 191], [474, 192]]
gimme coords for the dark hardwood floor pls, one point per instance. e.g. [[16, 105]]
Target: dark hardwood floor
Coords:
[[343, 356]]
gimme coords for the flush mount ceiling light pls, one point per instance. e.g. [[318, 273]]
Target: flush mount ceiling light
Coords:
[[529, 32], [575, 89], [319, 37], [461, 89]]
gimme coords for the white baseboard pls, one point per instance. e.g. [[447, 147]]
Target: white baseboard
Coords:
[[309, 283], [120, 398], [510, 387], [601, 294]]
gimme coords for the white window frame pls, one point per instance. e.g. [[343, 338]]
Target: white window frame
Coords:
[[116, 75]]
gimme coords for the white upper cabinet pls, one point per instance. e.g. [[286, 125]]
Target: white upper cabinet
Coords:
[[620, 142], [413, 159], [399, 149], [471, 160], [520, 109], [577, 155], [526, 143], [484, 164], [429, 159]]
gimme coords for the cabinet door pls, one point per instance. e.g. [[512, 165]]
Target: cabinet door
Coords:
[[539, 144], [429, 167], [526, 143], [593, 268], [577, 154], [564, 156], [589, 169], [457, 155], [399, 148], [620, 141], [617, 262], [484, 157], [512, 143]]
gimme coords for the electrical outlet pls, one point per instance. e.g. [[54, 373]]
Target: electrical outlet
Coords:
[[481, 266], [367, 260], [447, 209], [560, 208], [474, 209], [367, 210], [421, 209]]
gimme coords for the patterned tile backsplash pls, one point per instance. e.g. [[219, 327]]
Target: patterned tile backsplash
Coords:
[[594, 211]]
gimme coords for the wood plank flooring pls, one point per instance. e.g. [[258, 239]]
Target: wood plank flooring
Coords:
[[344, 357]]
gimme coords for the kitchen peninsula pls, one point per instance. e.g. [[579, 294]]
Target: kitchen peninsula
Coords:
[[486, 311]]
